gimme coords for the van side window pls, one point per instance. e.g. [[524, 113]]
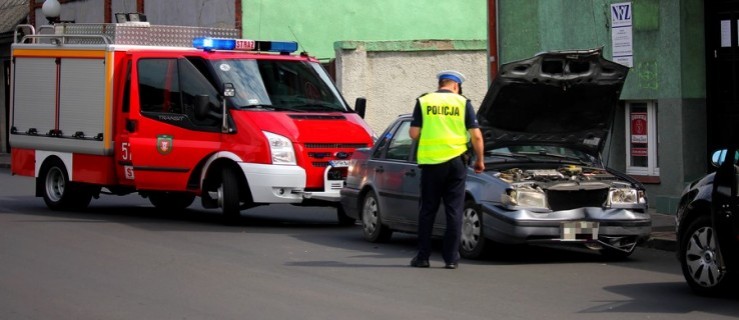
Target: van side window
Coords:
[[159, 87], [172, 86]]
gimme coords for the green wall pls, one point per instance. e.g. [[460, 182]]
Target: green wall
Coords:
[[669, 68], [317, 24], [667, 39]]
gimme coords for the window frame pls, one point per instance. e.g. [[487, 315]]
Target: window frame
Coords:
[[652, 168]]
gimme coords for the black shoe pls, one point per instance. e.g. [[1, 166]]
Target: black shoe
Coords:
[[419, 263], [451, 265]]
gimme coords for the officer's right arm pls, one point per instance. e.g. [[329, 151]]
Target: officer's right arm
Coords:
[[416, 123]]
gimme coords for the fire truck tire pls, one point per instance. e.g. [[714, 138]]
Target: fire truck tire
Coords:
[[59, 193], [228, 195], [171, 201]]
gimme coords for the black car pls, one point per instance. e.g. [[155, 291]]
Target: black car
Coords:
[[545, 121], [708, 227]]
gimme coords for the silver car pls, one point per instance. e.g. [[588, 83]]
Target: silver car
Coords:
[[545, 121]]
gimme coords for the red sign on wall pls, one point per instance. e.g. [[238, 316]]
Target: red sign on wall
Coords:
[[639, 133]]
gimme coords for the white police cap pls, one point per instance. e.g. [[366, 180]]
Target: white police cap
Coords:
[[456, 76]]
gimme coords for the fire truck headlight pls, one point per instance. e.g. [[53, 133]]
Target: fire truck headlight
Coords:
[[281, 149]]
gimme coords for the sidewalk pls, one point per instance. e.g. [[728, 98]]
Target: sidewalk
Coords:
[[663, 232], [663, 225]]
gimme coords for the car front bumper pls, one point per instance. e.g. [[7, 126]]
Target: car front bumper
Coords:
[[619, 229]]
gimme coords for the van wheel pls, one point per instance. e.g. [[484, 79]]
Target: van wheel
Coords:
[[171, 201], [228, 195], [701, 261], [59, 193], [472, 244]]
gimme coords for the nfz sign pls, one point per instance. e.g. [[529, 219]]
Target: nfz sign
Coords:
[[621, 14]]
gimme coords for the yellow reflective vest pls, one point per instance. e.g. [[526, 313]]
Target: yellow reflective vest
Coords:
[[444, 134]]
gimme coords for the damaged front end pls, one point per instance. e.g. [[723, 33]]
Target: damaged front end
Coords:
[[576, 205]]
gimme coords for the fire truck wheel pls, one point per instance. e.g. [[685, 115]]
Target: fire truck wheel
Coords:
[[60, 193], [228, 195], [171, 201]]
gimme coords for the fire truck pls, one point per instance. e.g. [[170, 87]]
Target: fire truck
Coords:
[[174, 113]]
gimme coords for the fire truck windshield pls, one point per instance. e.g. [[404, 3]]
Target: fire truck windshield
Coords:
[[280, 84]]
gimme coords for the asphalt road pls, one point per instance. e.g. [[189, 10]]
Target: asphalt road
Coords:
[[122, 259]]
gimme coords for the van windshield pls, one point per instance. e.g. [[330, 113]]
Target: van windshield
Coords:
[[280, 85]]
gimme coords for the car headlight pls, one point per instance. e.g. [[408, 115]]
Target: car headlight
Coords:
[[281, 149], [527, 197], [625, 196]]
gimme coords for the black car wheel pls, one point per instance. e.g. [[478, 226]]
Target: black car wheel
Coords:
[[372, 227], [473, 243], [701, 260]]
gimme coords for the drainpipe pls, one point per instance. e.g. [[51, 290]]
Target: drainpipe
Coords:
[[492, 40], [32, 12]]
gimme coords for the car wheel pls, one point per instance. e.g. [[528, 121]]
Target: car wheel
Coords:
[[472, 244], [59, 193], [171, 201], [700, 258], [344, 220], [228, 196], [372, 227]]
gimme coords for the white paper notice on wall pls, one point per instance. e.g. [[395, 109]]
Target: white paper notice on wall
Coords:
[[725, 33], [621, 35]]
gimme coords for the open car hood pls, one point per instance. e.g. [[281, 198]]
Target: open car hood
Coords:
[[562, 98]]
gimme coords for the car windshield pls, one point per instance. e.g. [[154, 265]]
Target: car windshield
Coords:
[[280, 85], [540, 153]]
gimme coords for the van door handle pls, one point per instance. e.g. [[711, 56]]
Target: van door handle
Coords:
[[411, 173], [379, 169], [130, 125]]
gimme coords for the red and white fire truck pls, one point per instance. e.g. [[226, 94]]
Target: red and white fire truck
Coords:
[[174, 113]]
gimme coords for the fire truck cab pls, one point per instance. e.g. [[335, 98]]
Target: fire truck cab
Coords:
[[174, 113]]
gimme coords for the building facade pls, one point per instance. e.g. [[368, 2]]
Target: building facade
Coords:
[[681, 83]]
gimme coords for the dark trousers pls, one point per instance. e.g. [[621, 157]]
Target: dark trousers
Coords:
[[444, 181]]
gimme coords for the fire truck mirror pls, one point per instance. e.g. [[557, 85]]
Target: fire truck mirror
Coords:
[[229, 90], [202, 106], [360, 106]]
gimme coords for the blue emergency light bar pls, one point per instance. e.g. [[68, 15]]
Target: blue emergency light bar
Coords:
[[210, 44]]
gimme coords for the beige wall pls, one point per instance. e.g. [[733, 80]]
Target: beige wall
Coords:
[[391, 75]]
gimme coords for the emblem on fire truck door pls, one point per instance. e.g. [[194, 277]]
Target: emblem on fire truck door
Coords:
[[164, 144]]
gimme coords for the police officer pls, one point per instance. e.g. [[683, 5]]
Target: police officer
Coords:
[[443, 122]]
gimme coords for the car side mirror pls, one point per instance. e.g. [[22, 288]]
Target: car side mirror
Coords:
[[719, 156], [360, 106]]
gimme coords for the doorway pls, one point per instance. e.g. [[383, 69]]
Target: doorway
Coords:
[[722, 69]]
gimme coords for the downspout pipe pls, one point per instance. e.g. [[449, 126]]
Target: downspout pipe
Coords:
[[492, 40]]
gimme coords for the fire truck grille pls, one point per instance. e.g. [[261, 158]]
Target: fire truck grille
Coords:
[[335, 145]]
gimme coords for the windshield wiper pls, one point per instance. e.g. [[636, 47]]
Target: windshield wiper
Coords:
[[316, 107]]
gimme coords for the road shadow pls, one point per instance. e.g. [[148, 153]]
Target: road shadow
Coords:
[[137, 212], [664, 298]]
